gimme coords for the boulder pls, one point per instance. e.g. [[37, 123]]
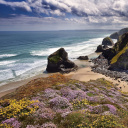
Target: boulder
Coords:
[[99, 48], [59, 62], [83, 58], [114, 35], [109, 53], [105, 47], [107, 41]]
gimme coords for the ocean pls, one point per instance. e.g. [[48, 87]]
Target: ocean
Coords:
[[24, 54]]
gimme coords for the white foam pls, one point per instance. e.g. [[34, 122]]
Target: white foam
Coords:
[[86, 47], [7, 55], [6, 74], [6, 62], [43, 52]]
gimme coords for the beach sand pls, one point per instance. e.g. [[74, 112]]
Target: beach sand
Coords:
[[84, 73]]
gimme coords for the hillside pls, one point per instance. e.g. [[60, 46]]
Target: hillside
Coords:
[[60, 102]]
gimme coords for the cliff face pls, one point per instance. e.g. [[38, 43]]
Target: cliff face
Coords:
[[120, 60], [116, 35]]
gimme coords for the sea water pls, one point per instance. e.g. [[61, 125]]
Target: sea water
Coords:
[[24, 54]]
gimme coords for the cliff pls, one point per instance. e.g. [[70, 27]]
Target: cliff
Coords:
[[116, 35]]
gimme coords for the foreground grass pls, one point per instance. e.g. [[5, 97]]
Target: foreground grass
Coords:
[[59, 102]]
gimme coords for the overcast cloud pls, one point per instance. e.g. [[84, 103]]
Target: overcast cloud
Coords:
[[79, 12]]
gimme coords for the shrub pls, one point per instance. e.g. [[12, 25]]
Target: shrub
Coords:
[[16, 108]]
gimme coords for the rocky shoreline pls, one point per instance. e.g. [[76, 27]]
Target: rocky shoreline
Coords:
[[101, 66], [112, 62]]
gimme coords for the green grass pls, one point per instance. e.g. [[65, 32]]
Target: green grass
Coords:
[[55, 59], [90, 94], [115, 58]]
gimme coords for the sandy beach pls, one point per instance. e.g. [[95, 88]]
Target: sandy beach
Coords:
[[82, 74], [85, 74]]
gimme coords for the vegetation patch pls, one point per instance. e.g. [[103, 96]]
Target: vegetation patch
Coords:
[[115, 58], [59, 102], [55, 58]]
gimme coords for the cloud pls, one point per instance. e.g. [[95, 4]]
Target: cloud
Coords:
[[22, 4], [82, 8], [69, 12]]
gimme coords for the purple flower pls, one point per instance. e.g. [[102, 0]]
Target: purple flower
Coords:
[[45, 113], [48, 125], [31, 126], [95, 99], [13, 122], [96, 109], [50, 93], [73, 94], [112, 108], [81, 86], [59, 103]]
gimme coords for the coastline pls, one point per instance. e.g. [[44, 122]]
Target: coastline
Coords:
[[82, 74], [11, 86]]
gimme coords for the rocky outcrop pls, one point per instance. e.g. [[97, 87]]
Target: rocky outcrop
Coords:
[[120, 61], [83, 58], [122, 31], [114, 35], [111, 52], [101, 48], [59, 62], [113, 62], [107, 41], [119, 33]]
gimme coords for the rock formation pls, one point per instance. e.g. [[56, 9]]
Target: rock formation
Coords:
[[59, 62], [119, 33], [107, 41], [83, 58], [101, 48], [114, 35], [113, 62], [120, 60]]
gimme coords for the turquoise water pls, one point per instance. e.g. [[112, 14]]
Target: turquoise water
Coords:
[[24, 54]]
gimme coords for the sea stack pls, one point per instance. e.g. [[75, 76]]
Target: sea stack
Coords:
[[107, 41], [59, 62]]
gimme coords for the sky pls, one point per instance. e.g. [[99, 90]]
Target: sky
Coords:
[[41, 15]]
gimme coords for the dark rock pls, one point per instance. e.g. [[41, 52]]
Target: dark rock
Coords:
[[122, 31], [114, 35], [120, 60], [99, 48], [107, 41], [83, 58], [59, 62], [109, 53], [105, 47]]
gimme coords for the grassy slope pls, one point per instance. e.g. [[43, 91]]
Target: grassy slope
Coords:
[[116, 57], [67, 103]]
